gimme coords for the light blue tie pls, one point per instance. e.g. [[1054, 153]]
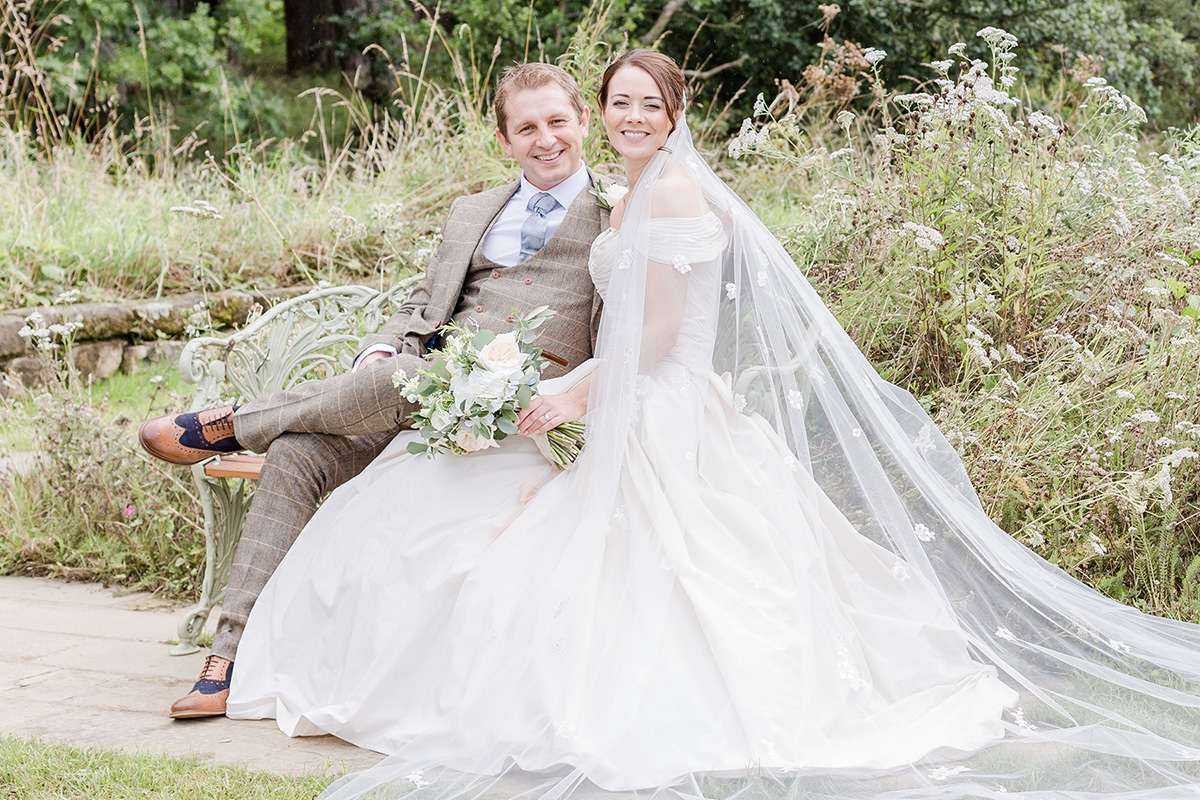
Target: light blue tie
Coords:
[[533, 232]]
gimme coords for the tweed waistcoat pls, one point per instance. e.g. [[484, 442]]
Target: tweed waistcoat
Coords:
[[557, 276]]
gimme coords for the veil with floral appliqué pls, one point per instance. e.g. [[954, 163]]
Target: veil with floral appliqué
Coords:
[[1109, 697]]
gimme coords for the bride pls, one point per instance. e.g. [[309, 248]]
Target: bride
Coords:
[[766, 573]]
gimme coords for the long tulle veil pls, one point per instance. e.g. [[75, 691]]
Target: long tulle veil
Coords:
[[1109, 697]]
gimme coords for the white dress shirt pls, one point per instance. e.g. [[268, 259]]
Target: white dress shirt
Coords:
[[503, 242]]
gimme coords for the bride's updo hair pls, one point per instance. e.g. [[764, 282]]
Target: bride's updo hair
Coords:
[[667, 75]]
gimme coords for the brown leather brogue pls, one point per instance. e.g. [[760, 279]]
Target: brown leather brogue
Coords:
[[207, 698], [189, 438]]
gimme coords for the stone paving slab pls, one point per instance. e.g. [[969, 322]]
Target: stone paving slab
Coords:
[[84, 665]]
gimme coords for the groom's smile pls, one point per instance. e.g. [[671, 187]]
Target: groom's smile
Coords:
[[545, 134]]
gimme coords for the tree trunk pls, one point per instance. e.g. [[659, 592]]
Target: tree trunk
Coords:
[[310, 33]]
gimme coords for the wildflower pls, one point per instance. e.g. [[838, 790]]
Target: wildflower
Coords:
[[1143, 417], [874, 55], [129, 509], [1164, 441], [1156, 291], [198, 208], [997, 38], [345, 226], [760, 105], [845, 119], [941, 66], [1097, 546], [1175, 396], [67, 297], [958, 49], [1179, 456], [924, 237], [836, 154], [1125, 394], [157, 379], [915, 99]]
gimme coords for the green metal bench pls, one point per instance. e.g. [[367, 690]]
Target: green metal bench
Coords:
[[304, 338]]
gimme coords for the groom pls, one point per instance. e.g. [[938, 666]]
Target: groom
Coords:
[[516, 247]]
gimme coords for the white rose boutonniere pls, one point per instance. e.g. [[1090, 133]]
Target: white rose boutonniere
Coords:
[[607, 198]]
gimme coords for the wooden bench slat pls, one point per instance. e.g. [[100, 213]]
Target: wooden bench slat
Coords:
[[235, 466]]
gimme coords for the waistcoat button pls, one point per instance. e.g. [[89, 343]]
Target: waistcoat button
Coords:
[[528, 281], [478, 309], [495, 273]]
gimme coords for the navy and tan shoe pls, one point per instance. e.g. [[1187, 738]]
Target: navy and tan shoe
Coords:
[[190, 438], [208, 696]]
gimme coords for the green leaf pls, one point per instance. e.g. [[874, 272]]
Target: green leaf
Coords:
[[506, 426], [483, 339], [416, 448], [438, 368], [53, 272], [524, 395]]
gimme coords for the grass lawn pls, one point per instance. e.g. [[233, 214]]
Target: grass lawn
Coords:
[[37, 770]]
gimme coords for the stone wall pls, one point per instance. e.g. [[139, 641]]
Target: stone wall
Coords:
[[123, 337]]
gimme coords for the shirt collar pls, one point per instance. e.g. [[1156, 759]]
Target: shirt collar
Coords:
[[564, 192]]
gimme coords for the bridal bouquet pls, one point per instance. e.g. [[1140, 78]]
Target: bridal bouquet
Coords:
[[468, 397]]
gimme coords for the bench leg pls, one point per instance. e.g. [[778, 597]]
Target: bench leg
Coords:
[[225, 503]]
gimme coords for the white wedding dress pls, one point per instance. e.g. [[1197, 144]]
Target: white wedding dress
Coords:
[[723, 617]]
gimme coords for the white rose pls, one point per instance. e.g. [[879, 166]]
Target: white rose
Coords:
[[613, 194], [465, 438], [441, 419], [502, 355]]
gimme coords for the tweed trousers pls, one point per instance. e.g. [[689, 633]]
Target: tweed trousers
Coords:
[[322, 433]]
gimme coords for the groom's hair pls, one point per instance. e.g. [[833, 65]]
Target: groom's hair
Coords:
[[520, 77]]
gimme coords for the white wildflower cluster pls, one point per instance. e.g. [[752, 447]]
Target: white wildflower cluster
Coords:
[[68, 297], [1043, 123], [924, 237], [1144, 417], [199, 208], [874, 55], [942, 66], [915, 99], [47, 337], [1156, 291], [389, 219], [747, 140], [1096, 545], [844, 152], [1108, 98], [345, 227], [760, 105], [1002, 44], [845, 119], [198, 320]]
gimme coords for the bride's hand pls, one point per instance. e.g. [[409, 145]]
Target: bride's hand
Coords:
[[549, 411]]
